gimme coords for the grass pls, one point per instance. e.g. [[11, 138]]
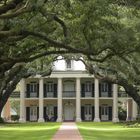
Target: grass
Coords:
[[107, 131], [28, 131]]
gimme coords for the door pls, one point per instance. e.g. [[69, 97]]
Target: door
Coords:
[[33, 89], [50, 111], [104, 113], [88, 89], [33, 113], [104, 89], [68, 113], [69, 89], [88, 112]]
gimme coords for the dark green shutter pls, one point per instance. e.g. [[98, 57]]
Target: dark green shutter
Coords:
[[55, 90], [37, 90], [93, 114], [93, 90], [27, 113], [109, 90], [46, 90], [100, 112], [44, 87], [55, 112], [82, 90], [37, 113], [45, 113], [100, 90], [83, 113], [28, 90], [110, 112]]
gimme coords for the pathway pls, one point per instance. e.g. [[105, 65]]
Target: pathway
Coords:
[[67, 131]]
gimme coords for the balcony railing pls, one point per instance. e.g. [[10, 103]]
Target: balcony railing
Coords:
[[87, 94], [69, 94], [92, 94], [122, 94], [31, 95], [50, 94], [106, 94], [15, 94]]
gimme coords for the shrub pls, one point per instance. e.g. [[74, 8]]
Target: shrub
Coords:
[[138, 118], [1, 120], [15, 117], [122, 114]]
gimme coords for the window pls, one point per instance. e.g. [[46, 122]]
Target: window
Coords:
[[104, 87], [68, 64], [104, 110], [88, 87], [33, 87], [69, 89], [50, 87]]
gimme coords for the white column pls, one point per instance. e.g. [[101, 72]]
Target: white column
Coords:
[[96, 119], [22, 100], [115, 103], [134, 110], [78, 101], [2, 113], [41, 93], [59, 101]]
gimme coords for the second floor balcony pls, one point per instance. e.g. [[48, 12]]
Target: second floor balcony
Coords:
[[32, 94], [87, 94], [92, 94], [67, 94], [50, 94]]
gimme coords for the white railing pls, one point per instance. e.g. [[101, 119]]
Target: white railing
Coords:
[[69, 94]]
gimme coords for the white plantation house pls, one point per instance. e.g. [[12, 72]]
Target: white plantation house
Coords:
[[71, 94]]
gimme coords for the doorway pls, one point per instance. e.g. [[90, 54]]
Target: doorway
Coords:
[[88, 112], [104, 113], [33, 113], [69, 113]]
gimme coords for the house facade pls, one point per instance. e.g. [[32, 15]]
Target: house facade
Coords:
[[71, 94]]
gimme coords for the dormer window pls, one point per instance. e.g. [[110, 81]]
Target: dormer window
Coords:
[[68, 64]]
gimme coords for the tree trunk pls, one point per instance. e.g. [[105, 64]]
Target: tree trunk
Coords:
[[8, 85], [131, 91]]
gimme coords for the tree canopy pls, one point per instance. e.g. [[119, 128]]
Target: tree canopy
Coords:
[[30, 29]]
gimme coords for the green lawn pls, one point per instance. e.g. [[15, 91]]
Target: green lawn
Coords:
[[107, 131], [28, 131]]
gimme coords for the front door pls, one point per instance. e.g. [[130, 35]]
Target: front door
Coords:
[[104, 113], [33, 113], [68, 113], [88, 112]]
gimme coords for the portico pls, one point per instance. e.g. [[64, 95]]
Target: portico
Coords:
[[72, 96]]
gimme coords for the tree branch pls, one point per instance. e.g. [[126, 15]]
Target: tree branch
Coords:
[[61, 22], [9, 6]]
